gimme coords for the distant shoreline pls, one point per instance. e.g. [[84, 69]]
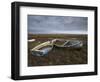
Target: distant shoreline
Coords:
[[56, 34]]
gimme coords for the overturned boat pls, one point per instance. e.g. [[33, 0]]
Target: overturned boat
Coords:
[[44, 48]]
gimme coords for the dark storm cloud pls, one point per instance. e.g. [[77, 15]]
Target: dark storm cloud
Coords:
[[56, 24]]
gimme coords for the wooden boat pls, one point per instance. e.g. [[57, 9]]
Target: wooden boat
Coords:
[[44, 48]]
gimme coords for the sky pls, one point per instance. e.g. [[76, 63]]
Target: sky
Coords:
[[43, 24]]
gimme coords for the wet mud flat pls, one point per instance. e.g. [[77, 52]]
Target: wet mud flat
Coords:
[[58, 56]]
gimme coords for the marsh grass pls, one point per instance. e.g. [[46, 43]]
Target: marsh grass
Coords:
[[58, 56]]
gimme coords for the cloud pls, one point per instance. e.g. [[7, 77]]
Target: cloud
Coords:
[[56, 24]]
